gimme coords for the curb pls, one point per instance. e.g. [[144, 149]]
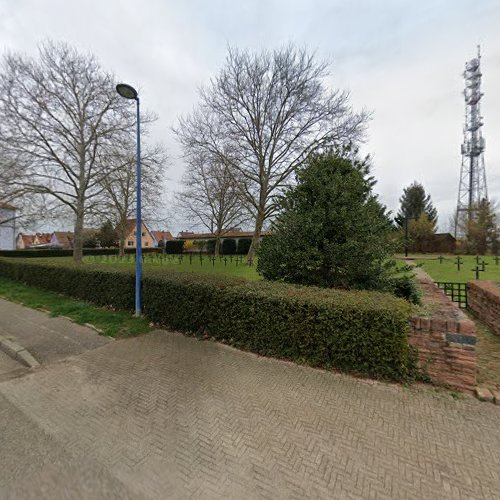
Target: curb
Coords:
[[18, 352]]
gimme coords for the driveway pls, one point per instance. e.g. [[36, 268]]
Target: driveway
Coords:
[[166, 416]]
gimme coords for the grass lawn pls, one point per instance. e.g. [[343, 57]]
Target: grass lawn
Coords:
[[111, 323], [447, 270], [154, 264]]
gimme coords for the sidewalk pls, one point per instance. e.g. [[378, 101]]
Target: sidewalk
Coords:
[[168, 416], [47, 339]]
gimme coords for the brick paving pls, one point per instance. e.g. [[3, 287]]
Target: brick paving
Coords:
[[166, 416]]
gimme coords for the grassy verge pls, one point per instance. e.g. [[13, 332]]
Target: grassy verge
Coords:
[[111, 323], [446, 269]]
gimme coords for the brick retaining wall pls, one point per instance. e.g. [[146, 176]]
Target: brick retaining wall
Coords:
[[445, 339], [484, 301]]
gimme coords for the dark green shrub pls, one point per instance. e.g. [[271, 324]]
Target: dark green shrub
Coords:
[[174, 246], [60, 252], [55, 252], [332, 231], [243, 246], [210, 247], [356, 331], [229, 246]]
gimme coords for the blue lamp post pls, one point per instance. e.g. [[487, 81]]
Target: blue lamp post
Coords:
[[130, 93]]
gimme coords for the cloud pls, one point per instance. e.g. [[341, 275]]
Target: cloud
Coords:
[[401, 59]]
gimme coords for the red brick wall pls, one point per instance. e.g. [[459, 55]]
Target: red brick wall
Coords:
[[445, 339], [484, 300]]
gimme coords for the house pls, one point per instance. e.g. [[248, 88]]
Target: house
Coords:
[[38, 240], [162, 236], [7, 227], [148, 240], [24, 241], [62, 239], [232, 233], [443, 243], [42, 239]]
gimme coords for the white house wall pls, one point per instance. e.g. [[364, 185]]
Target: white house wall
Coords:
[[7, 231]]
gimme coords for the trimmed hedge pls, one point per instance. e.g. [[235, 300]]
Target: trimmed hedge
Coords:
[[174, 246], [229, 246], [243, 246], [354, 331], [61, 252]]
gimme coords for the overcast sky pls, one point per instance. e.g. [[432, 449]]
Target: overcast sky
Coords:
[[401, 59]]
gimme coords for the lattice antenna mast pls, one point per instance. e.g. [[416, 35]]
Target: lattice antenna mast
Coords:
[[472, 187]]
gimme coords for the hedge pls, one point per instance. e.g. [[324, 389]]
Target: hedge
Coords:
[[229, 246], [174, 246], [243, 246], [353, 331], [61, 252]]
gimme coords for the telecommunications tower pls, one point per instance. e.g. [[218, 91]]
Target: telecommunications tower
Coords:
[[472, 187]]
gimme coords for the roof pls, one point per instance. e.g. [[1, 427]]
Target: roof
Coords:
[[7, 206], [131, 225], [443, 236], [65, 238], [230, 234], [163, 235], [27, 239], [43, 237]]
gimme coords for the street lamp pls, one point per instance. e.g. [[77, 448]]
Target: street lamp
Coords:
[[129, 92]]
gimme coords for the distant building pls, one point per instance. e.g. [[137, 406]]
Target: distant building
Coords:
[[148, 240], [38, 240], [199, 238], [62, 239], [161, 237], [7, 227], [443, 243], [233, 233]]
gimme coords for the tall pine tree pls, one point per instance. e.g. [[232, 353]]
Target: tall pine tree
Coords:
[[414, 202]]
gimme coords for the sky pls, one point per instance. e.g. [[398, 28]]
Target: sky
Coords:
[[402, 60]]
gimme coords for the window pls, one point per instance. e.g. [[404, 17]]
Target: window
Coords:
[[146, 244], [144, 234], [130, 243]]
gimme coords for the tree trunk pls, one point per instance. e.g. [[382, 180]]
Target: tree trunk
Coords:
[[122, 234], [78, 237], [217, 246], [259, 222], [121, 245]]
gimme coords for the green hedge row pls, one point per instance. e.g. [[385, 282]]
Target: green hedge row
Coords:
[[354, 331], [61, 252]]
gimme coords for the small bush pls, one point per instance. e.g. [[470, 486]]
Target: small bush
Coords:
[[355, 331], [210, 247], [174, 246], [229, 246], [243, 246]]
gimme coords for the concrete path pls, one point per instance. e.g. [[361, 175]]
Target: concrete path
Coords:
[[47, 339], [166, 416], [10, 367]]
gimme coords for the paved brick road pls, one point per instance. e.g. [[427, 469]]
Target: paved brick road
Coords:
[[164, 416]]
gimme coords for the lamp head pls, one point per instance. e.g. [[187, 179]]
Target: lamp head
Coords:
[[127, 91]]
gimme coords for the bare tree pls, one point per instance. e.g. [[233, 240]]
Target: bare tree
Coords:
[[264, 115], [211, 196], [58, 116], [31, 208], [120, 193]]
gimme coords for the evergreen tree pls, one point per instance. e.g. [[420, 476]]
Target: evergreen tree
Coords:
[[482, 231], [107, 235], [332, 230], [414, 202]]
